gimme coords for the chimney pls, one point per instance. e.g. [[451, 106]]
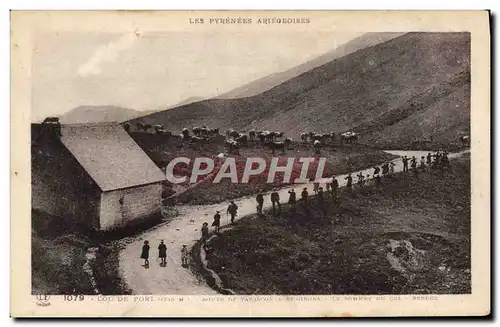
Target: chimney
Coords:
[[51, 127]]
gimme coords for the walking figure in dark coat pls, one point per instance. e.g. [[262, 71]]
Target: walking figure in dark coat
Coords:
[[385, 169], [334, 188], [216, 222], [232, 210], [162, 253], [349, 181], [292, 199], [275, 200], [321, 199], [204, 232], [361, 179], [260, 203], [445, 161], [305, 198], [405, 163], [184, 255], [422, 164], [316, 187], [145, 253], [414, 165]]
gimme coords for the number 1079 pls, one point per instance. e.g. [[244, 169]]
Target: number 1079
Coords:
[[73, 297]]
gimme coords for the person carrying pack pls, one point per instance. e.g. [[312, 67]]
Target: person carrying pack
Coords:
[[232, 210]]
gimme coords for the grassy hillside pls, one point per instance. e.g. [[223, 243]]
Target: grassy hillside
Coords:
[[380, 91], [411, 236], [58, 260], [268, 82]]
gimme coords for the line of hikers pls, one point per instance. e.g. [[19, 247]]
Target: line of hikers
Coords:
[[331, 188], [437, 160], [162, 254], [385, 169]]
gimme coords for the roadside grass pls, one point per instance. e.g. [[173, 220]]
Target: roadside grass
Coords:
[[346, 249], [58, 258]]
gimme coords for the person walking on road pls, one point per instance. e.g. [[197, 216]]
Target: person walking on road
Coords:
[[445, 161], [334, 187], [321, 199], [216, 222], [349, 181], [368, 180], [315, 187], [413, 162], [422, 164], [204, 232], [361, 179], [275, 200], [305, 198], [145, 253], [405, 163], [385, 169], [260, 203], [391, 167], [162, 253], [414, 166], [292, 199], [437, 160], [232, 210], [184, 255]]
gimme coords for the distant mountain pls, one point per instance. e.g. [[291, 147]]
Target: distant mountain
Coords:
[[189, 100], [415, 86], [95, 114], [268, 82]]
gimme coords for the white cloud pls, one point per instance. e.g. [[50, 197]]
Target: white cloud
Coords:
[[106, 53]]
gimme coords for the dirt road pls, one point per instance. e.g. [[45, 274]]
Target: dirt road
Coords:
[[186, 229]]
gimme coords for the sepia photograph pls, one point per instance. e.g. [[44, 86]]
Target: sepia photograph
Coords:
[[232, 158]]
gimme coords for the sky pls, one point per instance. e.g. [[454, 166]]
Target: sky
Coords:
[[158, 70]]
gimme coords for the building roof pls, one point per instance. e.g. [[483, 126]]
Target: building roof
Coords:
[[110, 156]]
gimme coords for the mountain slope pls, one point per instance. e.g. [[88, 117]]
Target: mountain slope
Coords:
[[371, 90], [268, 82], [93, 114]]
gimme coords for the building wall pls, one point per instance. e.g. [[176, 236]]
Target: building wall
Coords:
[[61, 188], [138, 202]]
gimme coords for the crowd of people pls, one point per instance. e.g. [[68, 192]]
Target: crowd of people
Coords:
[[437, 161]]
